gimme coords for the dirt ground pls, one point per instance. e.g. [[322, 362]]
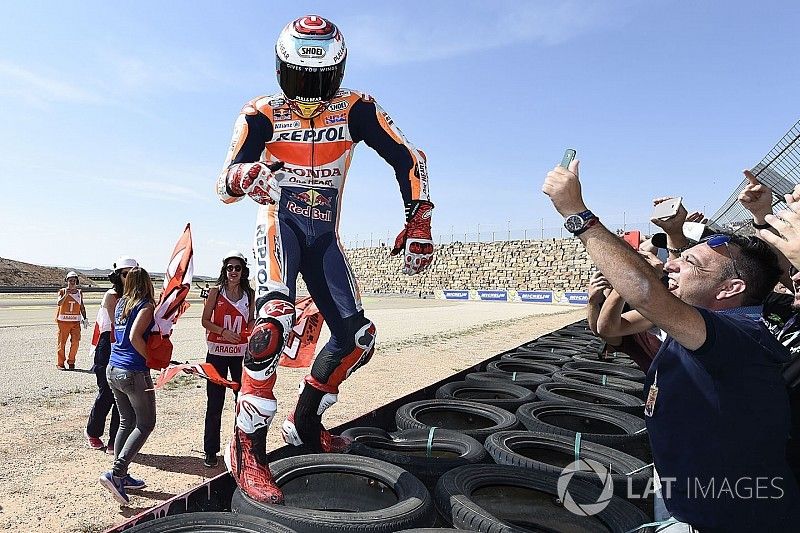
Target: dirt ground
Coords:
[[48, 478]]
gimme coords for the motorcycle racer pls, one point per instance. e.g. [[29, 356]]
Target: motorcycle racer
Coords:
[[290, 153]]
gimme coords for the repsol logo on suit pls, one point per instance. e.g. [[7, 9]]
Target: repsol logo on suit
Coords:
[[262, 273], [306, 136]]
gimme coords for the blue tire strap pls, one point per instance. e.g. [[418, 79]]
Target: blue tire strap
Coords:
[[577, 445], [654, 524], [514, 376], [605, 380], [429, 446]]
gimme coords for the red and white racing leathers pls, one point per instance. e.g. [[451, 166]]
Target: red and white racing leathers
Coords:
[[298, 235]]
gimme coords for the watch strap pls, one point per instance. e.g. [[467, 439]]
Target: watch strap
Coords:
[[760, 226], [589, 223]]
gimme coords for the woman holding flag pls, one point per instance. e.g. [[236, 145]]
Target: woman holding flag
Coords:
[[227, 317], [101, 350], [129, 378]]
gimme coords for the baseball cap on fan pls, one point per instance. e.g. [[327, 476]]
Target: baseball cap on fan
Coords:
[[694, 231], [125, 261]]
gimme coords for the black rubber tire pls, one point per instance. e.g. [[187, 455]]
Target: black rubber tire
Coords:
[[517, 365], [586, 394], [219, 522], [501, 394], [537, 357], [553, 350], [529, 381], [474, 419], [408, 449], [551, 453], [430, 530], [609, 369], [609, 427], [621, 360], [336, 492], [474, 497], [634, 388]]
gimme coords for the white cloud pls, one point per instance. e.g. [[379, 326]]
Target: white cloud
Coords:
[[40, 89], [441, 34], [156, 70], [155, 190]]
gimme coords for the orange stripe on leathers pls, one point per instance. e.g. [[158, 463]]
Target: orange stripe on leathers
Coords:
[[295, 153], [272, 238]]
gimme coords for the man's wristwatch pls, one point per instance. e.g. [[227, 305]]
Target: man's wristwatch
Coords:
[[577, 224]]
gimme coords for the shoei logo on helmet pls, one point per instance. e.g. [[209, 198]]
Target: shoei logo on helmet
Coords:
[[313, 25], [311, 51]]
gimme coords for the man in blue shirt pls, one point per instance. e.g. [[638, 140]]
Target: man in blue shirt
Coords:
[[717, 409]]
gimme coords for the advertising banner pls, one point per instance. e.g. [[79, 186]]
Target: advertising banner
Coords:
[[450, 294], [494, 296], [542, 297], [577, 297]]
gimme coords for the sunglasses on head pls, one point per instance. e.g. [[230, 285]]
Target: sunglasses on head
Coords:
[[234, 268], [715, 241]]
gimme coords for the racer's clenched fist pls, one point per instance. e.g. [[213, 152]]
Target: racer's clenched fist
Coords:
[[255, 180], [415, 240]]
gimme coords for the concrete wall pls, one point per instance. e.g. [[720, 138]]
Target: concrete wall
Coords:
[[557, 264]]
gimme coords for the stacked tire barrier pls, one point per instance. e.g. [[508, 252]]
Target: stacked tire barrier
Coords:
[[545, 437], [536, 409]]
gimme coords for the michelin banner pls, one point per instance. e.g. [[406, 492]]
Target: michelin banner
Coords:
[[541, 297], [493, 296], [505, 295], [450, 294], [577, 297]]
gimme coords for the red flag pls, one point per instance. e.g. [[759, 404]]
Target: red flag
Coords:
[[172, 303], [204, 370], [299, 351], [101, 324]]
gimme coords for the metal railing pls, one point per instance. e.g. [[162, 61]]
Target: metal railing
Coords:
[[779, 169], [494, 233]]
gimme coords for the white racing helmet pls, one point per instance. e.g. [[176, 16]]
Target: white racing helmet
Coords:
[[125, 261], [309, 58]]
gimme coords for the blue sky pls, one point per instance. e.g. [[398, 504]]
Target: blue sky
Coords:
[[120, 113]]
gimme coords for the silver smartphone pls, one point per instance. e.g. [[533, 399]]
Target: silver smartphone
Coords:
[[569, 155], [667, 208]]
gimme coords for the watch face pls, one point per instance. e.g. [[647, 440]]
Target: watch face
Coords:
[[573, 223]]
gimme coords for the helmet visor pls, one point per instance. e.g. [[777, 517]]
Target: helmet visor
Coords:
[[309, 84]]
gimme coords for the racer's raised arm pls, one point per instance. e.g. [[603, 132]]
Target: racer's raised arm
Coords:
[[370, 123], [242, 167]]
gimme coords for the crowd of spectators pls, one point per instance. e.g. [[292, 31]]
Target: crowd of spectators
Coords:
[[700, 313]]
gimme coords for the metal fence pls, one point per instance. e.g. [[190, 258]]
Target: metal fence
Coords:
[[494, 233], [779, 169]]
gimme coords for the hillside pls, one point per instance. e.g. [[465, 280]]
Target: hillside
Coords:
[[19, 274]]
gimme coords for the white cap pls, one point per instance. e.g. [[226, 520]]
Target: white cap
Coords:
[[693, 230], [125, 261], [234, 254], [71, 274]]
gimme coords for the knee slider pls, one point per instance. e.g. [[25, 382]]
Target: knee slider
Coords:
[[364, 336], [274, 322]]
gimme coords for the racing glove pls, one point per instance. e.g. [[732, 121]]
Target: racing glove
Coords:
[[415, 240], [255, 180]]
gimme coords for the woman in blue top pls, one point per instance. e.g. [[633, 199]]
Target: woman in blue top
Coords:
[[130, 381]]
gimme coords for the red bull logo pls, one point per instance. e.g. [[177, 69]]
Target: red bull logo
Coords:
[[313, 198]]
